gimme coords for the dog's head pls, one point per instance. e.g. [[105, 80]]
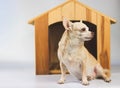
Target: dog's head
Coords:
[[78, 30]]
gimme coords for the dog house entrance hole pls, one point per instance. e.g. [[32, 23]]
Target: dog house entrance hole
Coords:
[[55, 33]]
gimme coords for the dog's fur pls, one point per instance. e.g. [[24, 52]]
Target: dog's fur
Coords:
[[74, 57]]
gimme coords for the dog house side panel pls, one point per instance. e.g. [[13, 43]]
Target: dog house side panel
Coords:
[[103, 41], [41, 42], [106, 43]]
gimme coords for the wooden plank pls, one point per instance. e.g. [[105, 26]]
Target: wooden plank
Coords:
[[68, 10], [102, 60], [55, 16], [88, 15], [80, 12], [41, 42], [106, 43], [93, 17], [99, 39]]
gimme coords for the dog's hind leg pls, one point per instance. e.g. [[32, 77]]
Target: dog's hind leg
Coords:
[[101, 72], [63, 73]]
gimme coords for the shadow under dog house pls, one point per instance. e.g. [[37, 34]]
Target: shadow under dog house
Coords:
[[49, 29]]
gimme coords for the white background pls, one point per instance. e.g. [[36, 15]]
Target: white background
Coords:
[[17, 42]]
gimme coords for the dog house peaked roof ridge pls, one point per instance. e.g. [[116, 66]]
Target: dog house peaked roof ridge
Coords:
[[73, 3]]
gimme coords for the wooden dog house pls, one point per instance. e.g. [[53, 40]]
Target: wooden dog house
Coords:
[[48, 30]]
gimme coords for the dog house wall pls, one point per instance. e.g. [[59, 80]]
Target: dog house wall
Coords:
[[73, 10]]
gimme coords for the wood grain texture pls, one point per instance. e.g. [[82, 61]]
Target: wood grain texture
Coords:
[[93, 17], [80, 12], [106, 43], [55, 16], [88, 15], [99, 38], [103, 43], [68, 10], [41, 42]]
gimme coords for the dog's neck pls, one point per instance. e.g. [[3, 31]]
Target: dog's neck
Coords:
[[74, 41]]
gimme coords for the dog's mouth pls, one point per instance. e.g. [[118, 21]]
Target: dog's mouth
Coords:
[[88, 38]]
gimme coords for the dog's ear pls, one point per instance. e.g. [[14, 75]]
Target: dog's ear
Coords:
[[67, 24]]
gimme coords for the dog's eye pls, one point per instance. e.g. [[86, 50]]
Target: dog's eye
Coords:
[[83, 29]]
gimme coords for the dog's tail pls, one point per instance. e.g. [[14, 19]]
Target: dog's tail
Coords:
[[107, 72]]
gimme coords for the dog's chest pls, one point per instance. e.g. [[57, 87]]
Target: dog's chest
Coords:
[[73, 66], [72, 62]]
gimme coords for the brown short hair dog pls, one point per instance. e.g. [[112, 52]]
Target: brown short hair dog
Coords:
[[74, 57]]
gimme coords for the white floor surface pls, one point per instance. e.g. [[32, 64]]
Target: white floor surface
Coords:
[[25, 78]]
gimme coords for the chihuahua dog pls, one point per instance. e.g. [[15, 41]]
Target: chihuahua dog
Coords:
[[74, 57]]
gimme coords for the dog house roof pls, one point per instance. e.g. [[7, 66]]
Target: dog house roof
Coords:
[[73, 10]]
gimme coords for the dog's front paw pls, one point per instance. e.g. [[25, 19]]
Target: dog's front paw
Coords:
[[85, 83], [61, 81]]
